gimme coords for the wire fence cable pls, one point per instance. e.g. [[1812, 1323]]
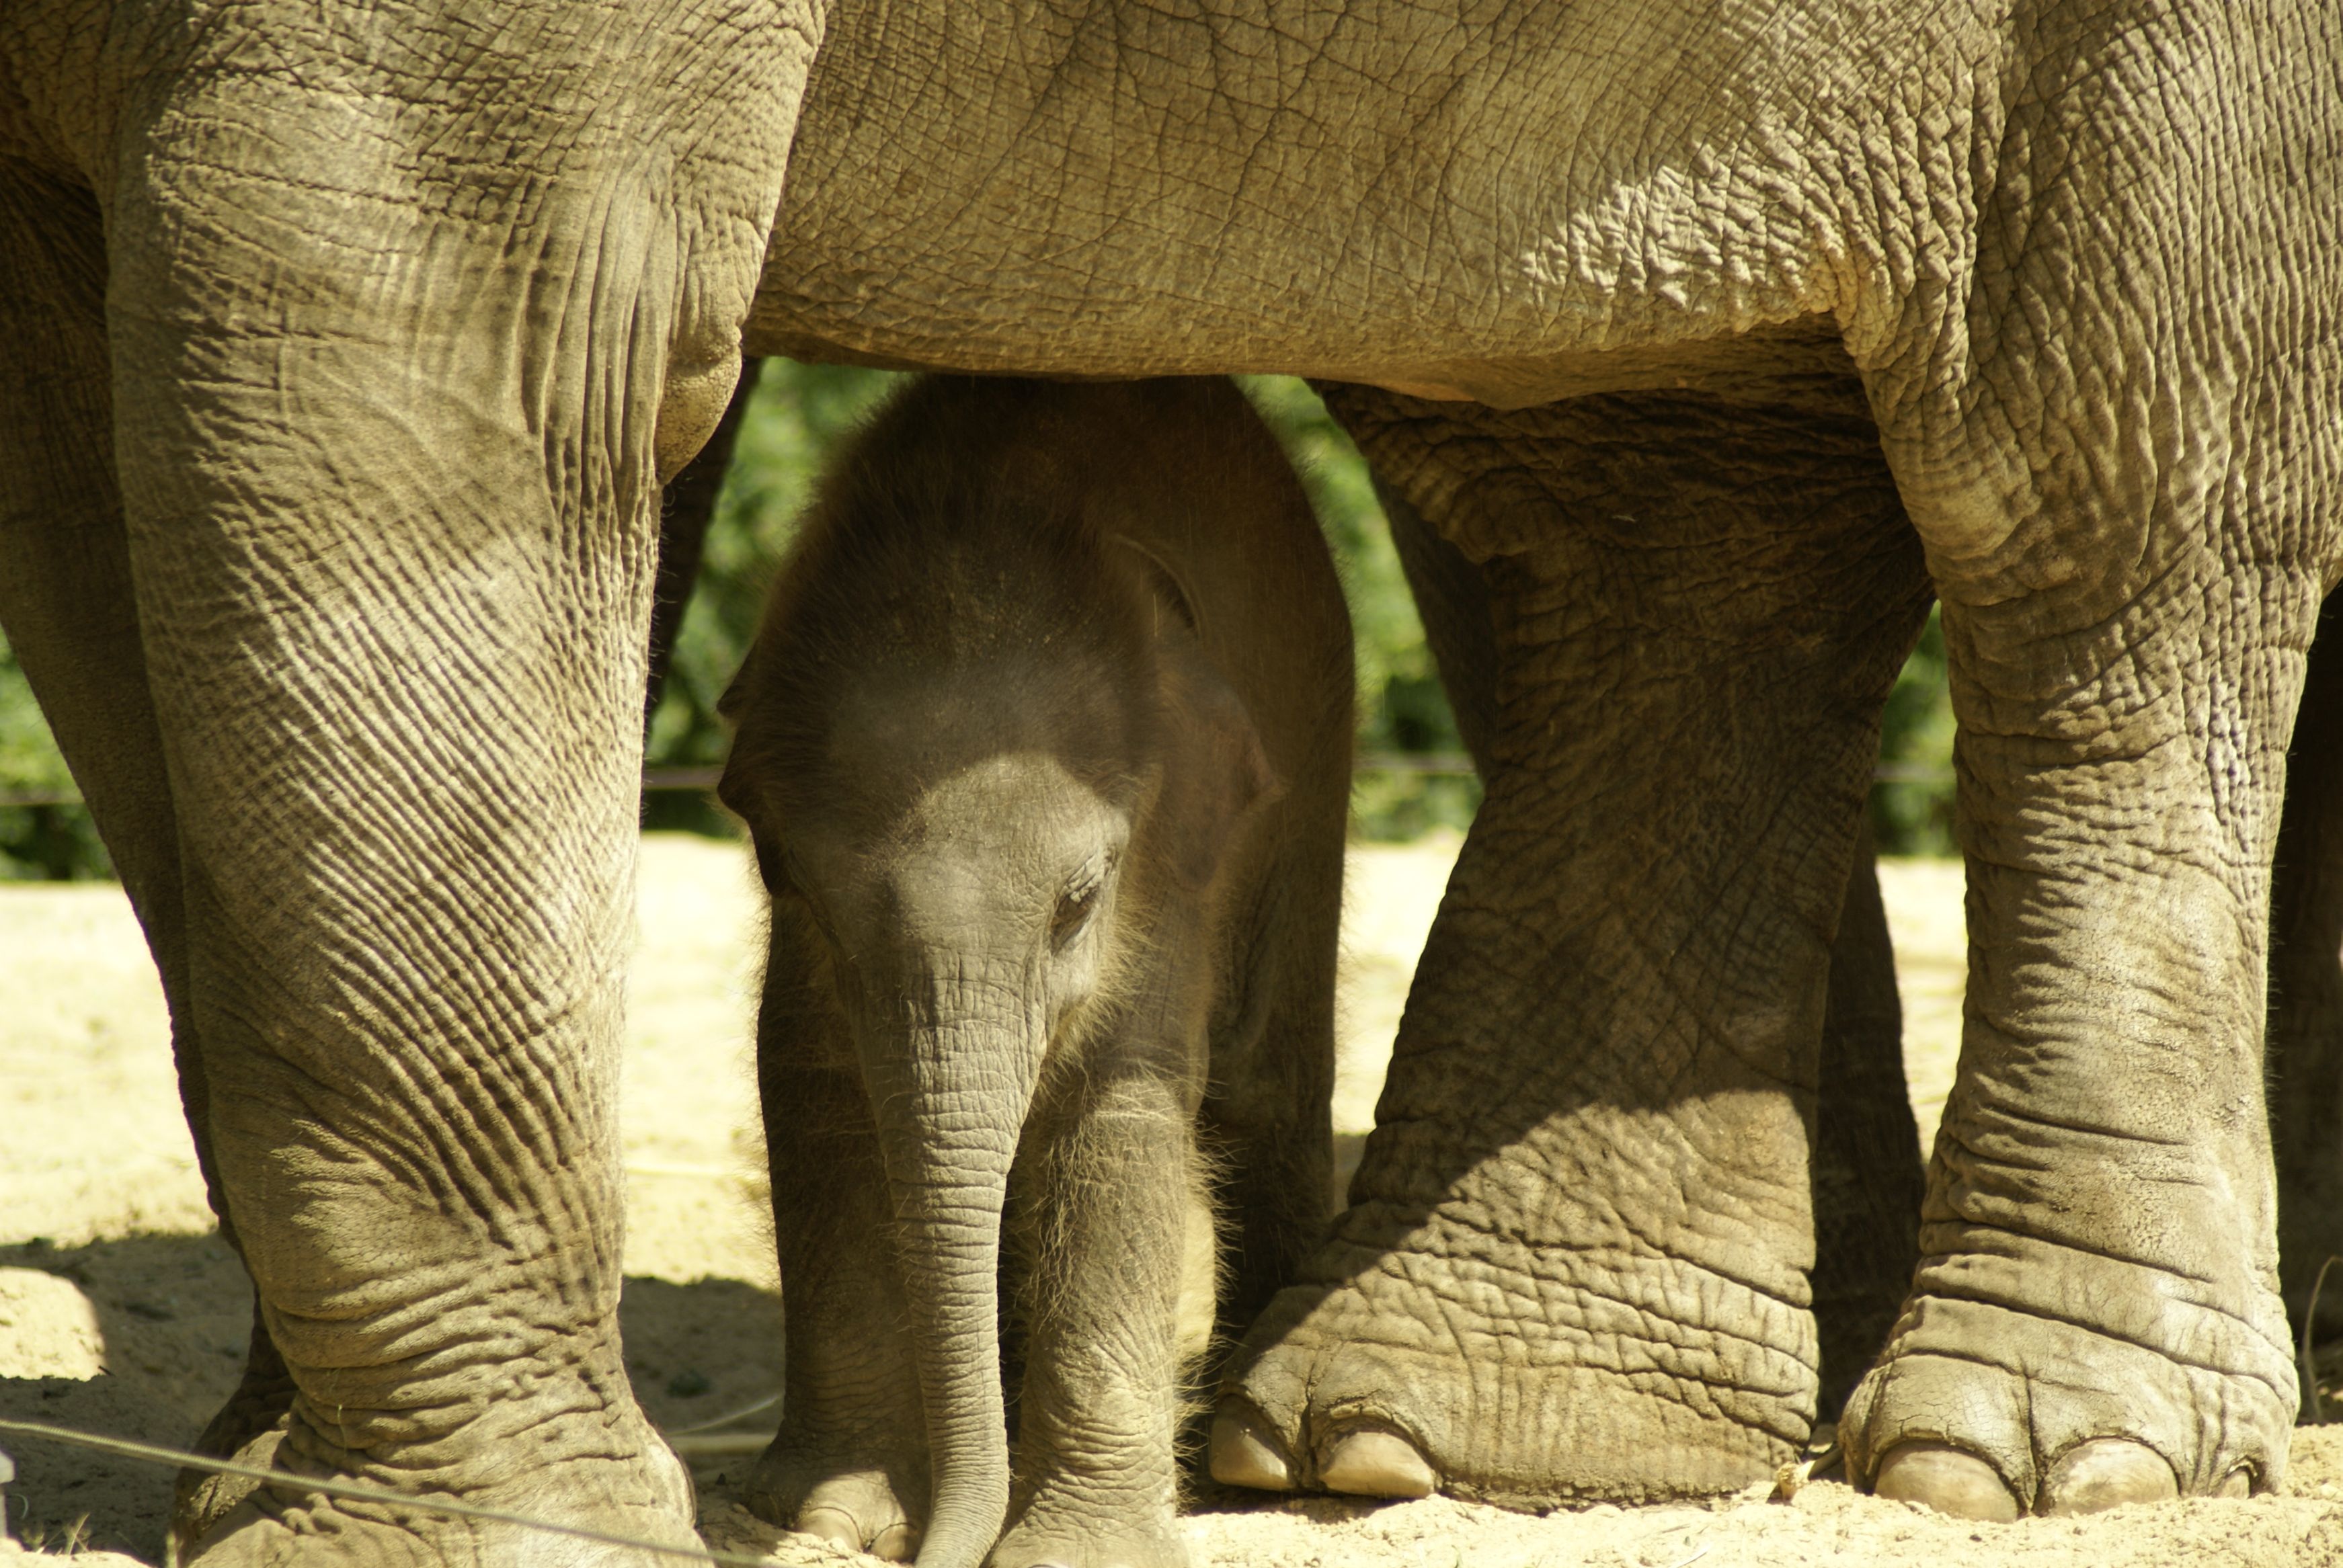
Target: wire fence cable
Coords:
[[663, 780], [152, 1454]]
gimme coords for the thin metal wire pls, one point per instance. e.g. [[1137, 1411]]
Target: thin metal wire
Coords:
[[2309, 1361], [155, 1453], [767, 1403]]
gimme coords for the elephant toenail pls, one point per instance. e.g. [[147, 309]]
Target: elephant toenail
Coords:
[[1374, 1462], [2238, 1482], [1948, 1479], [834, 1525], [2104, 1472], [1243, 1454], [897, 1543]]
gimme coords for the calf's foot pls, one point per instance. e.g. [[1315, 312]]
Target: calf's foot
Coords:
[[1049, 1537], [863, 1502]]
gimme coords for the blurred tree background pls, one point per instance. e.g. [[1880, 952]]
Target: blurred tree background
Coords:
[[797, 412]]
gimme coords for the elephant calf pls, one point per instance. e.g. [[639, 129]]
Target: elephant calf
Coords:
[[1045, 749]]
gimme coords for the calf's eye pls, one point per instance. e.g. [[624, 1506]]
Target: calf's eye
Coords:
[[1074, 910]]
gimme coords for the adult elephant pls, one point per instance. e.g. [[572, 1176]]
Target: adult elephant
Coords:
[[348, 350]]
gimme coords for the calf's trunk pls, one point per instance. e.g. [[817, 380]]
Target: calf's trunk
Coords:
[[949, 1099]]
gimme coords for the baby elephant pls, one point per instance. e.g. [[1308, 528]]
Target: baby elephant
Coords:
[[1045, 748]]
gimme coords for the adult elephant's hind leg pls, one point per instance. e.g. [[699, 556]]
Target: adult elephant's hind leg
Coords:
[[1867, 1169], [2094, 1319], [72, 619], [1576, 1260]]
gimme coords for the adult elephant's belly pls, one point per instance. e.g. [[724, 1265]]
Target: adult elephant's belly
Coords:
[[1396, 203]]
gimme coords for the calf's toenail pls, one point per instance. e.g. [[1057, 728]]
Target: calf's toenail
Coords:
[[2105, 1471], [2236, 1483], [831, 1524], [1369, 1461], [1948, 1479], [895, 1543]]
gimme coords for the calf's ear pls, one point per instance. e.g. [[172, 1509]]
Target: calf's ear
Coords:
[[1216, 778], [1176, 606]]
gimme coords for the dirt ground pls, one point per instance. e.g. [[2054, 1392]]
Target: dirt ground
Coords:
[[122, 1312]]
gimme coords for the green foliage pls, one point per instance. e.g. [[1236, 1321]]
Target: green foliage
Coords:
[[52, 840], [798, 412], [1402, 709], [1912, 805]]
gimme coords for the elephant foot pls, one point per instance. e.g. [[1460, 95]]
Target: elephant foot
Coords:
[[247, 1429], [1450, 1360], [1982, 1411], [607, 1473], [1043, 1540], [862, 1504]]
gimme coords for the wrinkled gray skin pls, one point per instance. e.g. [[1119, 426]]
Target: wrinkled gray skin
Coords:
[[1045, 749], [1863, 1149], [346, 352], [346, 349]]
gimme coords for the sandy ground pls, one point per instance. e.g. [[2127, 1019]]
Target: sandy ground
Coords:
[[122, 1312]]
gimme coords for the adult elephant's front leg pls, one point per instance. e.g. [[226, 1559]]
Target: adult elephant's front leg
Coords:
[[1576, 1260], [391, 426], [2131, 512]]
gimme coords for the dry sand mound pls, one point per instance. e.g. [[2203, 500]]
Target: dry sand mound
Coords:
[[122, 1312]]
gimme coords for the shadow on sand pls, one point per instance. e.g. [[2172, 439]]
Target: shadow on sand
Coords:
[[173, 1312]]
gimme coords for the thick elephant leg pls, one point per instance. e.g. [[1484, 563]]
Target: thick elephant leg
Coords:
[[389, 527], [1868, 1176], [2306, 1037], [849, 1464], [2095, 1320], [1574, 1264], [406, 941], [2130, 533], [67, 601]]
